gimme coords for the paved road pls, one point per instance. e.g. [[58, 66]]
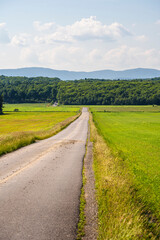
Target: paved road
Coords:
[[40, 186]]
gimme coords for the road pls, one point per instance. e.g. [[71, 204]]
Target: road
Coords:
[[40, 186]]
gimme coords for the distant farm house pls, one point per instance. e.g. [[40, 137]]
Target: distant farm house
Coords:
[[55, 104]]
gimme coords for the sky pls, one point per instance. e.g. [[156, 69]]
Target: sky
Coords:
[[80, 35]]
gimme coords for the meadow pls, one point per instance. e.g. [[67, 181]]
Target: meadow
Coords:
[[13, 122], [18, 129], [126, 108], [127, 170], [39, 107]]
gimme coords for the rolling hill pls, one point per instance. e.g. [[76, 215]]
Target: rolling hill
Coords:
[[72, 75]]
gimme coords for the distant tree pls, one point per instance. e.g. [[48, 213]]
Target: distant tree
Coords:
[[1, 104]]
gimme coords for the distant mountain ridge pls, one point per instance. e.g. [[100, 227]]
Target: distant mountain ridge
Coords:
[[72, 75]]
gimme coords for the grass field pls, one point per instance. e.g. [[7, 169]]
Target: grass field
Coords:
[[18, 129], [115, 108], [129, 169], [38, 107], [30, 121]]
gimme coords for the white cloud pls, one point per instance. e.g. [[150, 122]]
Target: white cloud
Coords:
[[39, 40], [4, 36], [62, 57], [133, 25], [43, 27], [2, 25], [28, 55], [21, 40], [82, 58], [87, 45], [141, 38], [130, 57], [85, 29], [157, 22]]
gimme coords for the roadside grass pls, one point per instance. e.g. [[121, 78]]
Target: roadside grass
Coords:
[[127, 174], [82, 217], [21, 128], [38, 107], [129, 108]]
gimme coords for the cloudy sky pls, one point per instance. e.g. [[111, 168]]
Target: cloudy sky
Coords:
[[80, 35]]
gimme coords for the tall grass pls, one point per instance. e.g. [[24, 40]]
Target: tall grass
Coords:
[[30, 121], [15, 140], [127, 174]]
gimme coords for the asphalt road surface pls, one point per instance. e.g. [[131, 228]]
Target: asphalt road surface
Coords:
[[40, 186]]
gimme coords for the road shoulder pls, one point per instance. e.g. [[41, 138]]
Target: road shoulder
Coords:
[[88, 196]]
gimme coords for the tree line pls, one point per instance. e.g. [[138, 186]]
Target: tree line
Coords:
[[80, 92], [28, 90], [1, 104]]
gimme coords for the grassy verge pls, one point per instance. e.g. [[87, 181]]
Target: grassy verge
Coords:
[[120, 213], [18, 139], [82, 218]]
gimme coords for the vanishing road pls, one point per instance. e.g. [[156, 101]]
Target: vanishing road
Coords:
[[40, 186]]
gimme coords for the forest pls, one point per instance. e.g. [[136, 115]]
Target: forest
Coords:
[[80, 92], [1, 104]]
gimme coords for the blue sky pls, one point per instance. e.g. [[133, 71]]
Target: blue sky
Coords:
[[80, 35]]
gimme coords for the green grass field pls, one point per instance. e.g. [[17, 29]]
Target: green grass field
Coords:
[[39, 107], [134, 140], [117, 108]]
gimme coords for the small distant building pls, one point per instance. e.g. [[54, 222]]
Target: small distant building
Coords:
[[55, 104]]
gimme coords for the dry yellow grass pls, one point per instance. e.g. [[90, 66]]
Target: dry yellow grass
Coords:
[[17, 140]]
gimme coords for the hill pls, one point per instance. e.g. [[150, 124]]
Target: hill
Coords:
[[138, 73]]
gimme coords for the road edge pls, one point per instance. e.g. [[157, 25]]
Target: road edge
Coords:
[[88, 216]]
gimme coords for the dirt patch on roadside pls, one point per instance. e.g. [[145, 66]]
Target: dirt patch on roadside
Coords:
[[91, 208]]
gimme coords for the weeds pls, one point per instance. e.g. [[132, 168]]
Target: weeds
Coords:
[[82, 218]]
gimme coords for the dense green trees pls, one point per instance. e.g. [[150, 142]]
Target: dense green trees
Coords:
[[86, 92], [96, 92], [1, 104], [22, 89]]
